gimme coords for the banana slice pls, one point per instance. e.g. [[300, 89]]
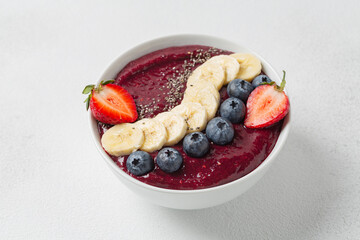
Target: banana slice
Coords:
[[154, 133], [194, 115], [175, 126], [206, 99], [250, 66], [122, 139], [228, 63], [213, 73], [202, 85]]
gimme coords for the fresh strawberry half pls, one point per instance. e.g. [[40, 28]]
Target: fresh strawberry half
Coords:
[[266, 105], [110, 103]]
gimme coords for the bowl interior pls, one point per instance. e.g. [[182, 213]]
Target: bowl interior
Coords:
[[179, 40]]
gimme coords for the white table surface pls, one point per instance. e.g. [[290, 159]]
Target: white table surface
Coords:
[[53, 182]]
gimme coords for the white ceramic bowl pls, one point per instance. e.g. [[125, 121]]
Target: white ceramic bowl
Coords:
[[188, 199]]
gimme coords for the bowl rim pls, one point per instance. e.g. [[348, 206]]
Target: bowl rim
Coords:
[[263, 165]]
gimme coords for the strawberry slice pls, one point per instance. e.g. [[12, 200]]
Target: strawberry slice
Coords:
[[266, 105], [110, 103]]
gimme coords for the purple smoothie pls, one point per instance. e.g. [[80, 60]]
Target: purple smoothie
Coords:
[[157, 82]]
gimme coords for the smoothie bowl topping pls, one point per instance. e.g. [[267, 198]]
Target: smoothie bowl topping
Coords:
[[189, 117]]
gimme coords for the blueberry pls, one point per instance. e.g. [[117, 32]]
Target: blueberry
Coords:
[[220, 131], [233, 109], [140, 163], [169, 160], [240, 89], [260, 79], [196, 144]]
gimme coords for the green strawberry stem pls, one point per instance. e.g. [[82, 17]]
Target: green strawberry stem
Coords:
[[282, 85], [90, 88], [277, 88]]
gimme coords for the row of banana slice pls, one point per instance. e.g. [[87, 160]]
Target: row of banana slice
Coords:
[[199, 105]]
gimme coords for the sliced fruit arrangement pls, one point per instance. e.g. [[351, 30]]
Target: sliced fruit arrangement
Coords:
[[204, 83], [110, 103], [266, 105], [253, 99]]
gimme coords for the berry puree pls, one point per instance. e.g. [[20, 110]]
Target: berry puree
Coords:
[[157, 82]]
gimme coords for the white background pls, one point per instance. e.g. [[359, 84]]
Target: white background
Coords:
[[53, 182]]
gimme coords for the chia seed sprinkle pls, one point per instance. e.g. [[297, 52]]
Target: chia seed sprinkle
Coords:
[[176, 82]]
